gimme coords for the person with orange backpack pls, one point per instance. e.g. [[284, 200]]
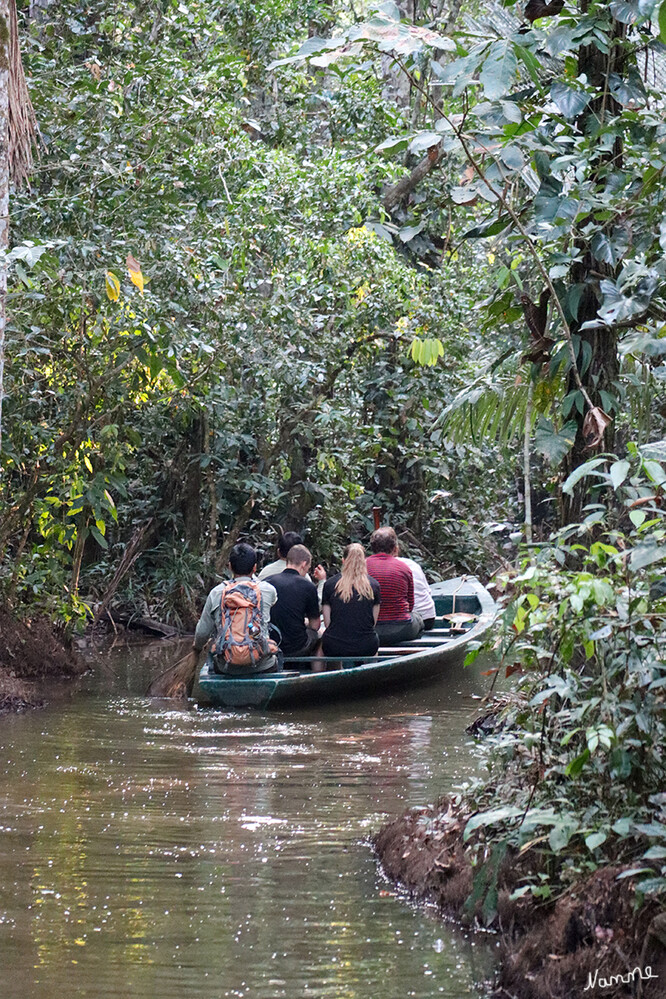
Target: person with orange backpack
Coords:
[[237, 612]]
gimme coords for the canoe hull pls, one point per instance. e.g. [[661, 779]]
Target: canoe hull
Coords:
[[370, 677]]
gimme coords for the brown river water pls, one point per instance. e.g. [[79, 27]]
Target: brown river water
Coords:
[[148, 850]]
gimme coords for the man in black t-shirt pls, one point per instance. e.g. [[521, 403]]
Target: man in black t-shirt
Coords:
[[297, 602]]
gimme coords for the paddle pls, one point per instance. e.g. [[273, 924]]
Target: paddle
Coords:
[[178, 680]]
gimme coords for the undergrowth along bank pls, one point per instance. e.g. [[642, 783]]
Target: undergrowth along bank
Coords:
[[576, 761], [562, 842]]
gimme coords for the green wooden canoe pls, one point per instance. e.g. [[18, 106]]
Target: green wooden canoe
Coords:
[[465, 610]]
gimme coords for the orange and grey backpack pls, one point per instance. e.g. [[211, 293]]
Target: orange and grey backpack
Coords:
[[240, 640]]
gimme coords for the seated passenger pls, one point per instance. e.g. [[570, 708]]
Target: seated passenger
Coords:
[[350, 605], [397, 621], [286, 542], [242, 563], [423, 602], [297, 603]]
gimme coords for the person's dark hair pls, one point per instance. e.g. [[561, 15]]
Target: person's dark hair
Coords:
[[242, 559], [384, 540], [287, 541]]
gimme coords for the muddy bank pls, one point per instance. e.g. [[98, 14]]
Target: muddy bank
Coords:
[[32, 656], [555, 948]]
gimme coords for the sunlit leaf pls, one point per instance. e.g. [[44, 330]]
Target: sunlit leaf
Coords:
[[134, 271], [112, 286]]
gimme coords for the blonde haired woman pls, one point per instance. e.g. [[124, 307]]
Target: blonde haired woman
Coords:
[[350, 606]]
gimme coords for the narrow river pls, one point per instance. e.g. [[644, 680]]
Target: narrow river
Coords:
[[153, 852]]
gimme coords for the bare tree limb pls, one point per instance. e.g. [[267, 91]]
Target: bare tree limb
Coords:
[[406, 185]]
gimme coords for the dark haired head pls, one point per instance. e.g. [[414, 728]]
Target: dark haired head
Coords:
[[242, 559], [384, 540], [287, 541]]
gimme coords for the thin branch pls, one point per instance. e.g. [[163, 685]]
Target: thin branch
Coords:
[[508, 207]]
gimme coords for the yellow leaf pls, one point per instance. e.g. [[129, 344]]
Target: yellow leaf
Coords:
[[134, 271], [112, 286], [86, 461]]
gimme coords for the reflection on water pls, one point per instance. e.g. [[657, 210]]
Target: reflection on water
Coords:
[[153, 851]]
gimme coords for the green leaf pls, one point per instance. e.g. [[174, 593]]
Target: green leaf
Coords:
[[647, 554], [633, 872], [637, 517], [311, 46], [574, 768], [499, 69], [393, 144], [490, 818], [98, 536], [618, 473], [662, 22], [560, 835], [530, 61], [580, 473], [570, 102], [655, 853], [560, 41], [626, 13], [485, 229], [595, 840], [513, 157], [410, 231], [602, 248], [654, 471], [423, 141], [651, 886], [554, 445]]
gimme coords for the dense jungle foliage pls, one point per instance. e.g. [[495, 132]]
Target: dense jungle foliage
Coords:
[[258, 353], [285, 262]]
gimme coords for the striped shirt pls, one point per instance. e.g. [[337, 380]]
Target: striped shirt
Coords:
[[396, 585]]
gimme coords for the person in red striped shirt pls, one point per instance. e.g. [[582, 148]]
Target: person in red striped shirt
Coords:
[[397, 621]]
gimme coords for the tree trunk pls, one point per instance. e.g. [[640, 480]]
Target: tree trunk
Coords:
[[212, 493], [527, 475], [191, 498], [4, 186], [598, 343]]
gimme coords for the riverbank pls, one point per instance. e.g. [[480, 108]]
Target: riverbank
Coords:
[[588, 934], [32, 655]]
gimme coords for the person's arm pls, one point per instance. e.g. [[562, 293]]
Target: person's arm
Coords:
[[268, 599], [410, 589], [377, 598], [326, 614], [312, 609], [205, 626]]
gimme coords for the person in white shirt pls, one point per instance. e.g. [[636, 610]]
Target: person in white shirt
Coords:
[[287, 541], [423, 602], [284, 545]]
